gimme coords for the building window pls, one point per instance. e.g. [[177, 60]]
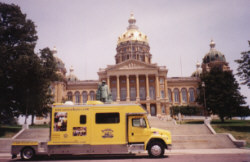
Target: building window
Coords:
[[161, 80], [114, 93], [77, 97], [162, 94], [123, 81], [142, 93], [107, 118], [141, 58], [191, 94], [169, 95], [123, 93], [92, 95], [151, 80], [84, 97], [132, 94], [184, 95], [152, 92], [142, 80], [70, 96], [176, 95]]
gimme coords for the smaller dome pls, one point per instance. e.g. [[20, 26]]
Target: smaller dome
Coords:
[[198, 71], [213, 54], [71, 76], [59, 63]]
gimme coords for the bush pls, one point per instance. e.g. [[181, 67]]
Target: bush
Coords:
[[186, 110]]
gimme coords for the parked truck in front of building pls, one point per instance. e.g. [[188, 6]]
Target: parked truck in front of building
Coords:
[[97, 128]]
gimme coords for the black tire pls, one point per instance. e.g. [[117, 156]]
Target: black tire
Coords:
[[27, 153], [156, 149]]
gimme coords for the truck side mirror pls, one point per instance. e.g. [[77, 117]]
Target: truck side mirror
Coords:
[[142, 123]]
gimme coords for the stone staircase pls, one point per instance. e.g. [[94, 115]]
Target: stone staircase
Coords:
[[193, 136]]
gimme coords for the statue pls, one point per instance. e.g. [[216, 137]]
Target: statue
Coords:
[[102, 93]]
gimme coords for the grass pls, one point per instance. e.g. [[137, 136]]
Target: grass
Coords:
[[7, 131], [40, 126], [240, 129]]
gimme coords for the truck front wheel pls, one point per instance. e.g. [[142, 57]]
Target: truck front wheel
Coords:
[[27, 153], [156, 150]]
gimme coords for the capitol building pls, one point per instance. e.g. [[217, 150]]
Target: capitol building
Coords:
[[135, 79]]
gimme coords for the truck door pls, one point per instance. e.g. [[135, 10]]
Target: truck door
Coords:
[[137, 129]]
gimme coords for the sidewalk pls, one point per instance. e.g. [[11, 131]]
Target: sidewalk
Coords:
[[183, 152]]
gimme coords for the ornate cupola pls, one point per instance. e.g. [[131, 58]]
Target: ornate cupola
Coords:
[[214, 58], [132, 44], [59, 63]]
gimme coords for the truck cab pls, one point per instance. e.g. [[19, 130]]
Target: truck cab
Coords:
[[97, 128]]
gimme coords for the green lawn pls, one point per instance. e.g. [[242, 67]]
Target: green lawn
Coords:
[[39, 126], [240, 129], [7, 131]]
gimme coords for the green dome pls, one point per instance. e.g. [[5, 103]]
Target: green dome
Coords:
[[213, 55]]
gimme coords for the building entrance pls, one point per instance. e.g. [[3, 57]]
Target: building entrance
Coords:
[[153, 110]]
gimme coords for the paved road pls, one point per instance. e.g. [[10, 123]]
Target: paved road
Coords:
[[171, 158]]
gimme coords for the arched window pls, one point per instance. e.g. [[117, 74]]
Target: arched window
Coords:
[[176, 95], [162, 94], [77, 97], [132, 94], [114, 93], [70, 96], [191, 94], [84, 97], [92, 95], [184, 95], [142, 93], [123, 93], [169, 95], [152, 92]]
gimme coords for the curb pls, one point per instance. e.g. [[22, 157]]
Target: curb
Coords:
[[210, 128], [237, 143], [21, 131]]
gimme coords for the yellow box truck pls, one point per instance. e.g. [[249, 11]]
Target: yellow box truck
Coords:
[[97, 128]]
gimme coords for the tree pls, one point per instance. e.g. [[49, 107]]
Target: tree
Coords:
[[222, 93], [24, 76], [244, 67]]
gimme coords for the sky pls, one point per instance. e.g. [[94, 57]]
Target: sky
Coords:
[[85, 32]]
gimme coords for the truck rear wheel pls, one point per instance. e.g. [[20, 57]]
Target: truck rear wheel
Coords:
[[27, 153], [156, 150]]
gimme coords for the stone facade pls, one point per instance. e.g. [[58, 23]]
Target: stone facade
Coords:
[[134, 78]]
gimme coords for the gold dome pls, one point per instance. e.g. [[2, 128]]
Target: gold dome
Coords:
[[132, 33]]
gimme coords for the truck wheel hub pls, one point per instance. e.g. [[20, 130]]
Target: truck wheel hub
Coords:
[[156, 150]]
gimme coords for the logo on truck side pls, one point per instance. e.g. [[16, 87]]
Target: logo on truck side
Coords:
[[108, 133]]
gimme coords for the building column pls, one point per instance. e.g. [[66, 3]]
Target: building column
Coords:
[[137, 89], [158, 108], [81, 100], [128, 92], [180, 96], [157, 87], [173, 97], [147, 88], [88, 93], [166, 89], [118, 88]]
